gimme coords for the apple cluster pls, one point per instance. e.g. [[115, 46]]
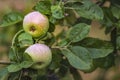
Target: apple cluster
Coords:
[[37, 24]]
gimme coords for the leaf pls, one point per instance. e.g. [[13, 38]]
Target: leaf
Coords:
[[3, 72], [14, 76], [99, 53], [12, 56], [78, 50], [109, 20], [64, 68], [90, 42], [83, 20], [88, 10], [43, 77], [63, 42], [78, 32], [97, 48], [78, 57], [51, 27], [14, 67], [11, 18], [56, 59], [67, 76], [115, 11], [43, 7], [105, 62], [18, 66], [118, 42], [27, 57], [118, 24], [57, 12], [26, 64], [53, 20], [75, 73], [15, 38], [33, 74], [70, 17], [115, 2], [25, 39]]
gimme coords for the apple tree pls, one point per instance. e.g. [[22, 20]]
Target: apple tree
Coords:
[[36, 53]]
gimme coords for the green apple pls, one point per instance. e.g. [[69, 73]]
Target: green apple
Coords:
[[36, 24], [40, 54]]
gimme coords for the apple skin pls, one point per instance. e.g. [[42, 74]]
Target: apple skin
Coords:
[[40, 54], [36, 24]]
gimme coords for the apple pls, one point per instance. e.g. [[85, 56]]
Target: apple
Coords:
[[40, 54], [36, 24]]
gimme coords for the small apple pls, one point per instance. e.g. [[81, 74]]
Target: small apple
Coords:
[[40, 54], [36, 24]]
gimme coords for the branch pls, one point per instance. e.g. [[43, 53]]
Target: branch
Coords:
[[5, 62]]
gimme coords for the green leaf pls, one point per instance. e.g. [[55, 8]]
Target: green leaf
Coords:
[[57, 12], [3, 73], [14, 75], [53, 20], [64, 68], [26, 64], [51, 27], [63, 42], [67, 76], [70, 17], [14, 67], [43, 77], [115, 11], [78, 32], [88, 10], [90, 42], [115, 2], [99, 53], [97, 48], [105, 62], [12, 56], [43, 7], [11, 18], [27, 57], [25, 39], [78, 57], [33, 74], [75, 73], [17, 67], [118, 24], [56, 59], [108, 18], [118, 42], [15, 38]]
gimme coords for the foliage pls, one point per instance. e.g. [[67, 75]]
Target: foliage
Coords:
[[71, 51]]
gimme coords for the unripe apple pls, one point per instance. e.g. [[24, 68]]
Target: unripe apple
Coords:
[[36, 24], [40, 54]]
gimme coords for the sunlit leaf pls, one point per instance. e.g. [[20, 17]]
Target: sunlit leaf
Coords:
[[11, 18]]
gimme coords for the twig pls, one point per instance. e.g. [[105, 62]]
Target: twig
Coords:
[[58, 47], [20, 76], [13, 44], [71, 2], [5, 62]]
